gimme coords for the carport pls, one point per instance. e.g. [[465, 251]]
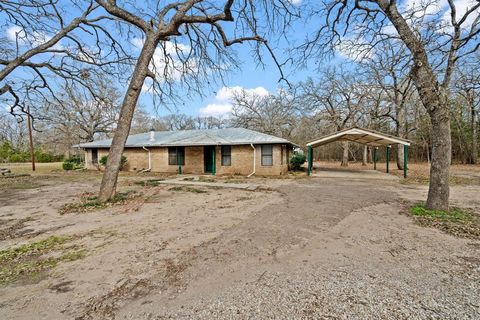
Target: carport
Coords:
[[363, 136]]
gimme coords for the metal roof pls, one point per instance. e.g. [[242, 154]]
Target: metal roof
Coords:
[[229, 136], [360, 135]]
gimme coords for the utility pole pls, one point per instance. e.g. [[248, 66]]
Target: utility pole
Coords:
[[32, 151]]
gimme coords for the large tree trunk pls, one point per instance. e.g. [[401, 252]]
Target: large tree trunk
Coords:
[[439, 191], [434, 99], [473, 128], [365, 155], [110, 177], [401, 116], [345, 154], [400, 157]]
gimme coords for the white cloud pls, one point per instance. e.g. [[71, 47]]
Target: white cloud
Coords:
[[18, 34], [222, 106], [15, 32], [354, 49], [215, 110], [440, 9], [166, 62], [227, 93], [296, 2]]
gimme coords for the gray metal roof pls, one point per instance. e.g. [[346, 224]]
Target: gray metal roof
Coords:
[[229, 136]]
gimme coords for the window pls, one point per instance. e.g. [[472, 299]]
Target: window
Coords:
[[176, 156], [226, 155], [94, 156], [267, 155]]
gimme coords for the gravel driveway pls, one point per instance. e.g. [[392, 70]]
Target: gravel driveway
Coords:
[[317, 248]]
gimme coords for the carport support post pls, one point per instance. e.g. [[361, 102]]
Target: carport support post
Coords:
[[375, 158], [388, 159], [310, 155], [405, 160]]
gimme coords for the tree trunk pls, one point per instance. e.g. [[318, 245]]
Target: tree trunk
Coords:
[[473, 128], [400, 156], [434, 98], [345, 154], [110, 177], [439, 190], [401, 134], [365, 155]]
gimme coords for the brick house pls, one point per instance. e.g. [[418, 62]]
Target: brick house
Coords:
[[214, 151]]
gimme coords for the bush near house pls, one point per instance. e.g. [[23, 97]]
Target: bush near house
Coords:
[[297, 161], [73, 163], [104, 159]]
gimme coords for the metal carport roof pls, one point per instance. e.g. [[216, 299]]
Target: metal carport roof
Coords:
[[360, 135]]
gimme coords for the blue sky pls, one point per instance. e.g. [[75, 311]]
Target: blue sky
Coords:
[[250, 76]]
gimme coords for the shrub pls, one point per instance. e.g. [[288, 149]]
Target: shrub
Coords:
[[46, 156], [67, 165], [297, 160], [104, 159], [73, 163], [77, 159]]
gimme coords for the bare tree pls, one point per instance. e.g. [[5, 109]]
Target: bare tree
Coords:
[[80, 117], [271, 114], [388, 68], [467, 86], [436, 43], [337, 98], [165, 26], [43, 49]]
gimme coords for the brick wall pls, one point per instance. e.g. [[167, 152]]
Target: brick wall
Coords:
[[241, 161]]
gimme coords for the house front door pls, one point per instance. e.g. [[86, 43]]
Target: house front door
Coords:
[[209, 158]]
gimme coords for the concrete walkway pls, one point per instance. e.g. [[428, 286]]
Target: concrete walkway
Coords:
[[185, 181]]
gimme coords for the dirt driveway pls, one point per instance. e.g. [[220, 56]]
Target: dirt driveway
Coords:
[[298, 248]]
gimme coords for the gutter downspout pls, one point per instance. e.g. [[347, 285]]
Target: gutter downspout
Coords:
[[149, 160], [254, 160]]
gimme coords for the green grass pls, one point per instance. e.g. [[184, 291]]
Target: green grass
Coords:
[[206, 179], [187, 189], [39, 246], [455, 214], [91, 203], [30, 262], [19, 182], [149, 183], [457, 222]]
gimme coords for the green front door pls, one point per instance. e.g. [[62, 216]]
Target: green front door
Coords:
[[208, 158]]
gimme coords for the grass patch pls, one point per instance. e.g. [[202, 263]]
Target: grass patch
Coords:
[[457, 222], [89, 202], [149, 183], [187, 189], [21, 182], [26, 168], [30, 262], [453, 180], [234, 181], [206, 179]]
